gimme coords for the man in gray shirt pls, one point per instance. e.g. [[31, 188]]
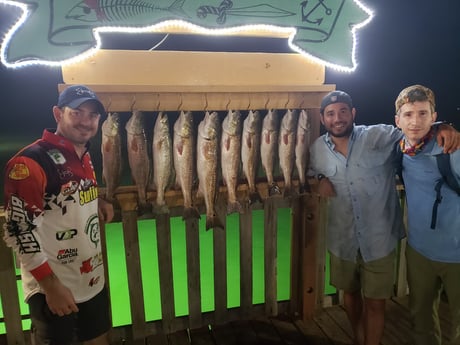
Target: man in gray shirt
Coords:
[[356, 169]]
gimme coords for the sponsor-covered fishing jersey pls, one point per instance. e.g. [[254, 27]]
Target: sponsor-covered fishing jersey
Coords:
[[52, 216]]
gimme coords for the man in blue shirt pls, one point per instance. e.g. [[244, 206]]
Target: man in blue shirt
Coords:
[[355, 168], [433, 252]]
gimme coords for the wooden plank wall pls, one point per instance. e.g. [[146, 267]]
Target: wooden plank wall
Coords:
[[199, 81]]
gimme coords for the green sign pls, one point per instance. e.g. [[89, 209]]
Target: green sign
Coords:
[[53, 31]]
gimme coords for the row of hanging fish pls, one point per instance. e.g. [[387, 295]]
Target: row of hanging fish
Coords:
[[225, 147]]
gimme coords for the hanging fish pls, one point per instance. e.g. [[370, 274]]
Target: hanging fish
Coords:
[[207, 159], [111, 154], [268, 149], [286, 148], [250, 152], [138, 157], [231, 157], [184, 162], [302, 150], [162, 160]]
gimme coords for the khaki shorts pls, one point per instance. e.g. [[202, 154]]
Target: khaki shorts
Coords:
[[374, 278]]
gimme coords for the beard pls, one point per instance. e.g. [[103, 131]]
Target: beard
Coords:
[[340, 133]]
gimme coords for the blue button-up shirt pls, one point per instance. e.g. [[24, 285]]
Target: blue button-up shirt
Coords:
[[365, 215], [421, 174]]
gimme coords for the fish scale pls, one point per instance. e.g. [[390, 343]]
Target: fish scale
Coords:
[[111, 154], [207, 159], [138, 157], [162, 160]]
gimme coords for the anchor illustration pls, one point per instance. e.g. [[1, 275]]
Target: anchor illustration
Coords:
[[305, 16]]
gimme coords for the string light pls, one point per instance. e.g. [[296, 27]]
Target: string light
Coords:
[[164, 26]]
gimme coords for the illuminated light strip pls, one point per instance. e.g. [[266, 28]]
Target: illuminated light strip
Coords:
[[169, 24]]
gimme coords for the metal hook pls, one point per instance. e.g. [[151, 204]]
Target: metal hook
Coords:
[[133, 103], [303, 101], [228, 103], [287, 102], [159, 101], [107, 108], [249, 102], [180, 102], [267, 101], [206, 102]]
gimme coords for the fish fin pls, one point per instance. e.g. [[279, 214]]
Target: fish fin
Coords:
[[273, 189], [234, 207], [248, 142], [190, 212], [213, 222], [286, 139]]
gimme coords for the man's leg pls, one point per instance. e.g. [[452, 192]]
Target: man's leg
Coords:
[[374, 320], [377, 280], [353, 303], [451, 282], [424, 294]]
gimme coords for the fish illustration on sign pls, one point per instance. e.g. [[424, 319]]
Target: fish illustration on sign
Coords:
[[63, 29]]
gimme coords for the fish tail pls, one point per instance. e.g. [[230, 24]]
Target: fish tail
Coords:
[[304, 188], [273, 189], [161, 209], [176, 8], [254, 197], [234, 206], [213, 221], [191, 212], [288, 192]]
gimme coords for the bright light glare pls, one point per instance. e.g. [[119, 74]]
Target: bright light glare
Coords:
[[177, 24]]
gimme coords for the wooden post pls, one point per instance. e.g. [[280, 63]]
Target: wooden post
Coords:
[[220, 265], [313, 254], [270, 236], [128, 203], [9, 293], [246, 285], [193, 272], [163, 232]]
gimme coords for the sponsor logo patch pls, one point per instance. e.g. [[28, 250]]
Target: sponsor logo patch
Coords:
[[56, 156], [68, 255], [19, 172], [69, 188], [66, 234]]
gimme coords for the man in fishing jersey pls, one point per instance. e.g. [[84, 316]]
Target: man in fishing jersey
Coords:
[[53, 213]]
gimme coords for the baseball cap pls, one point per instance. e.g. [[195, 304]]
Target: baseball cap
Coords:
[[415, 93], [75, 95], [336, 97]]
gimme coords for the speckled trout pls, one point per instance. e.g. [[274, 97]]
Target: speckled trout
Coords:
[[286, 148], [207, 160], [111, 154], [184, 160], [162, 160], [269, 149], [302, 147], [138, 157], [231, 157], [250, 152]]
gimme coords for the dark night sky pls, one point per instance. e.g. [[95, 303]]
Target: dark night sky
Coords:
[[407, 42]]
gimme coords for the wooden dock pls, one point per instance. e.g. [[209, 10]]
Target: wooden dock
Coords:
[[329, 327]]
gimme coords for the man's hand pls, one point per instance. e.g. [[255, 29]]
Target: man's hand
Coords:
[[448, 138], [105, 210], [326, 188], [58, 297]]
